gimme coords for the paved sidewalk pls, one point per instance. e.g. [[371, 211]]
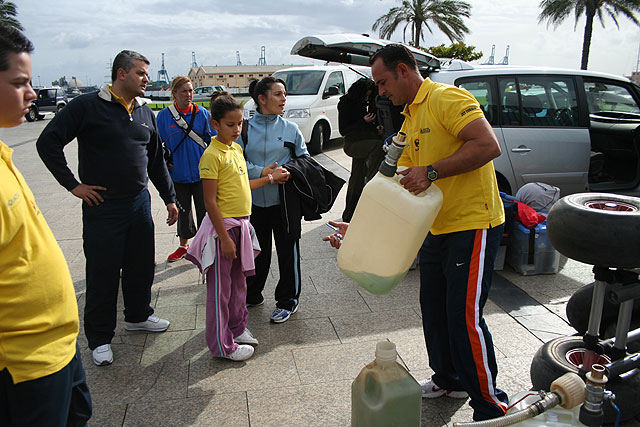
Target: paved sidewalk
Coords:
[[302, 370]]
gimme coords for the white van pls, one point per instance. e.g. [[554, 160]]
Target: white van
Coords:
[[313, 93], [578, 130], [203, 93]]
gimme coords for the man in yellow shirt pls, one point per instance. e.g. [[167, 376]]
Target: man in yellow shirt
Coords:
[[452, 144], [42, 381]]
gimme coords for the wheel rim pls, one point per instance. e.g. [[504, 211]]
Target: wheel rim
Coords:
[[610, 205], [576, 357]]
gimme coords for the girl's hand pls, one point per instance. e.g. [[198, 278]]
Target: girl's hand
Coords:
[[280, 175], [269, 169], [228, 248]]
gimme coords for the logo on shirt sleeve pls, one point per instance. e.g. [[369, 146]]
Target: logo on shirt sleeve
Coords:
[[468, 110]]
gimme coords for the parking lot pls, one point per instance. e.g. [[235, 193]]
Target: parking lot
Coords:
[[302, 370]]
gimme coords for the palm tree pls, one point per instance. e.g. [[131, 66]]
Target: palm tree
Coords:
[[556, 11], [8, 12], [446, 15]]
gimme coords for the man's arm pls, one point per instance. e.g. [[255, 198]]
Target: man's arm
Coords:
[[480, 147], [60, 131], [157, 167]]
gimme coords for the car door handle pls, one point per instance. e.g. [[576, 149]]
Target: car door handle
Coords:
[[520, 149]]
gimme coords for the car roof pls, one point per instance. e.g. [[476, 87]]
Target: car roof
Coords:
[[352, 49], [459, 68], [358, 48]]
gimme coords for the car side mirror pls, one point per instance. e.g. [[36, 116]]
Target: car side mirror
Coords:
[[330, 91]]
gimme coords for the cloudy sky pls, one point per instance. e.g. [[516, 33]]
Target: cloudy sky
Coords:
[[80, 38]]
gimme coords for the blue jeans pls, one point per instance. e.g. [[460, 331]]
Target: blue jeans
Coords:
[[57, 400], [455, 277], [118, 235]]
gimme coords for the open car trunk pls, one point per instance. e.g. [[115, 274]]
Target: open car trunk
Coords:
[[353, 49]]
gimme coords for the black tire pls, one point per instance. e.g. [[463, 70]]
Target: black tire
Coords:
[[503, 185], [32, 115], [59, 107], [551, 362], [319, 136], [579, 307], [40, 116], [597, 228]]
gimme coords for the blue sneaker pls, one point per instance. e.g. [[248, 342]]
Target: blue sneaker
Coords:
[[281, 315]]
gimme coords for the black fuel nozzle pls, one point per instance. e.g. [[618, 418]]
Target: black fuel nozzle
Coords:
[[394, 150]]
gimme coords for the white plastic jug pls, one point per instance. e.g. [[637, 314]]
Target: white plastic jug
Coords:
[[384, 394], [388, 228]]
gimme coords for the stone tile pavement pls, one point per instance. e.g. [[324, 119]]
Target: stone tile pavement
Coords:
[[301, 372]]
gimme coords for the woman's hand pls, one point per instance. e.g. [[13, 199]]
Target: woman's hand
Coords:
[[228, 248], [369, 117]]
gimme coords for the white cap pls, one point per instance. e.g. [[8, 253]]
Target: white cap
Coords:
[[386, 350]]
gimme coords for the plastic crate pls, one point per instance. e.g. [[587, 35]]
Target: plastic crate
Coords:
[[530, 251]]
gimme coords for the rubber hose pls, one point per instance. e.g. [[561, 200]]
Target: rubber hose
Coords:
[[537, 408]]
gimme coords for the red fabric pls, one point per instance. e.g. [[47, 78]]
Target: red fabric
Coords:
[[527, 216]]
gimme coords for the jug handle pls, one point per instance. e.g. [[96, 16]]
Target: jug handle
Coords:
[[371, 383]]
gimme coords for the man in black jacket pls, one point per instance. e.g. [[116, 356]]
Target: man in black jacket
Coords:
[[118, 151]]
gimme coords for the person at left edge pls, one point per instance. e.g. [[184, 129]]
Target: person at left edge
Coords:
[[186, 155], [119, 149], [42, 382]]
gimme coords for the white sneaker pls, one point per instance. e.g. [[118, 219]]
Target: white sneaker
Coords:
[[243, 352], [246, 338], [152, 324], [102, 355], [430, 390]]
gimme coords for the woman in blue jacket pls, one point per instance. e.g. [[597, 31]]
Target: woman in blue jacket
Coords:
[[186, 153], [272, 140]]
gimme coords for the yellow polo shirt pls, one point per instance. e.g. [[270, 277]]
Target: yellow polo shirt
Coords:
[[227, 165], [432, 124], [38, 309]]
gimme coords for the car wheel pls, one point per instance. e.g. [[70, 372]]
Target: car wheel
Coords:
[[565, 354], [319, 136], [597, 228], [60, 107], [32, 115], [503, 184]]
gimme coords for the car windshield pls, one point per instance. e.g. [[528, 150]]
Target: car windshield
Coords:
[[301, 82]]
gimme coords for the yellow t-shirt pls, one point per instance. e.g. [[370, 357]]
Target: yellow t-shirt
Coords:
[[227, 164], [38, 309], [432, 124]]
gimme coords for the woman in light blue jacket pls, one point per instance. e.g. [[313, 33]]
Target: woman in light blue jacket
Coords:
[[272, 140]]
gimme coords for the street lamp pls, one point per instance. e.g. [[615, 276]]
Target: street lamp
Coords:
[[39, 84]]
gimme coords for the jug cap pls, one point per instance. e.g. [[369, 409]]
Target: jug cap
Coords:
[[386, 350]]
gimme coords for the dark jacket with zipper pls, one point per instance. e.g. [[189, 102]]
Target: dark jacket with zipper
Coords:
[[310, 191], [116, 149]]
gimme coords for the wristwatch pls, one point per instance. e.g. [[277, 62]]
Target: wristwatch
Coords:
[[432, 174]]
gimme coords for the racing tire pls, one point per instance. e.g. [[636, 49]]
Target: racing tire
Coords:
[[562, 355], [578, 310], [32, 115], [318, 137], [597, 228]]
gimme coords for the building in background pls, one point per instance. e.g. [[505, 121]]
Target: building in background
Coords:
[[235, 78]]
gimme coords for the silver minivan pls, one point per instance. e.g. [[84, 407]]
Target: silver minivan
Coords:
[[575, 129]]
